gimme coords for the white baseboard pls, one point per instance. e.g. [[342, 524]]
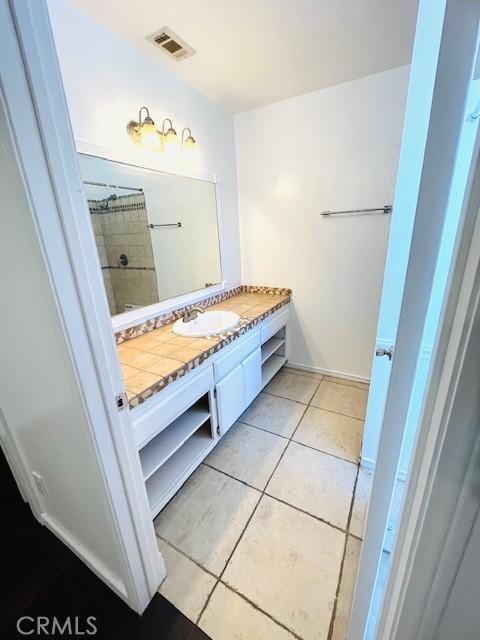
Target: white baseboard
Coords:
[[327, 372]]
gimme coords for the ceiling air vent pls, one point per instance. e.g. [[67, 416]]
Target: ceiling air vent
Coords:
[[171, 44]]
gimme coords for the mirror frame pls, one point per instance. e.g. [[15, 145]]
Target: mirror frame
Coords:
[[137, 316]]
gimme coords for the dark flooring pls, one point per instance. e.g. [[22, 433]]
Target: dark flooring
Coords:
[[39, 576]]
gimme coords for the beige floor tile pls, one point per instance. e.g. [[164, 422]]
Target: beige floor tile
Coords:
[[292, 386], [341, 398], [288, 564], [207, 516], [360, 503], [349, 383], [278, 415], [331, 432], [315, 482], [347, 586], [230, 617], [248, 454], [186, 586]]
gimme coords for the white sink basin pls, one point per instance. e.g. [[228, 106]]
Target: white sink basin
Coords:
[[206, 324]]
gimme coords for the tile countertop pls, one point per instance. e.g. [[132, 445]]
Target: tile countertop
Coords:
[[158, 356]]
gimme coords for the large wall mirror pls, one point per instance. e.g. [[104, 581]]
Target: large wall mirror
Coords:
[[156, 233]]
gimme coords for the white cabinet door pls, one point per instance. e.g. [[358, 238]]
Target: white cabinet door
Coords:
[[230, 398], [252, 376]]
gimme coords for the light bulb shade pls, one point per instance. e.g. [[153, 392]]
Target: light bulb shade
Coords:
[[189, 146], [144, 131], [190, 149], [170, 143], [149, 135]]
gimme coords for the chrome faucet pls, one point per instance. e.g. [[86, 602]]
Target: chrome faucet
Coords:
[[188, 316]]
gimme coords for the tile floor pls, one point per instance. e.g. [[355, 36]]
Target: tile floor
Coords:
[[263, 540]]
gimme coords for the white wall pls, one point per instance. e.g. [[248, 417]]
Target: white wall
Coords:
[[107, 81], [41, 408], [336, 148]]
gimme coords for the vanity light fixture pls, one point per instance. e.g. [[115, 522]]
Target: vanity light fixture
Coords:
[[189, 145], [146, 134], [144, 131]]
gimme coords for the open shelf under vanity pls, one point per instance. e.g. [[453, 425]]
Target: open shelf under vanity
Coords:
[[273, 356], [172, 454], [177, 428]]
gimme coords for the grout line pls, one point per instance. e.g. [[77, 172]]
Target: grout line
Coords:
[[276, 395], [307, 513], [309, 404], [292, 439], [205, 605], [327, 453], [255, 606], [269, 495], [186, 555], [250, 486], [249, 520], [225, 584], [337, 413], [354, 535], [342, 564], [231, 554], [262, 429], [256, 506]]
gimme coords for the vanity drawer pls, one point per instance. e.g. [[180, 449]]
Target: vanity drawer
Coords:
[[274, 323], [169, 406], [236, 354]]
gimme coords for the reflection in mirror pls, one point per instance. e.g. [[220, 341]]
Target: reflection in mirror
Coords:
[[156, 233]]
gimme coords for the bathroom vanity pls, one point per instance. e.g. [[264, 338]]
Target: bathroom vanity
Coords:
[[186, 383], [202, 387]]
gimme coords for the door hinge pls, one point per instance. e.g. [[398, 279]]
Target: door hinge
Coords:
[[121, 401], [382, 351], [215, 392]]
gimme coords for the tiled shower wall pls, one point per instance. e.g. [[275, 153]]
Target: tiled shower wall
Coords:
[[122, 228], [102, 254]]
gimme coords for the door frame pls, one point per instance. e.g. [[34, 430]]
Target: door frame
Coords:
[[442, 499], [37, 110], [441, 26]]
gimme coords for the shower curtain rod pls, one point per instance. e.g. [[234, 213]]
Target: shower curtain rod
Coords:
[[111, 186]]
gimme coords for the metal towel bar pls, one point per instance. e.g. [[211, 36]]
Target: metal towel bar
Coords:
[[111, 186], [385, 209], [169, 224]]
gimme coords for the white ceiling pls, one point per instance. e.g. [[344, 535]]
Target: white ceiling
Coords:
[[254, 52]]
